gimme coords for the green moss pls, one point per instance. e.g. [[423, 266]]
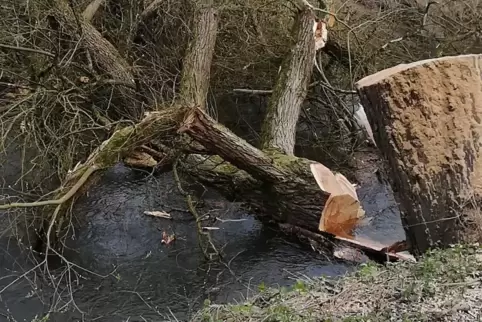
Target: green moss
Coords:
[[291, 163], [110, 153]]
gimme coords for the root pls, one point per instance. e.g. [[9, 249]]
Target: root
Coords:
[[66, 197]]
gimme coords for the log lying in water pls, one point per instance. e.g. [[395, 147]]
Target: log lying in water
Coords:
[[270, 178], [427, 122]]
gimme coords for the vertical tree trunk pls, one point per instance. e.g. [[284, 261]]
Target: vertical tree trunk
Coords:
[[279, 127], [196, 69], [427, 119]]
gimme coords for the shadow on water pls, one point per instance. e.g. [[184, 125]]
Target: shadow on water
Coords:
[[147, 280]]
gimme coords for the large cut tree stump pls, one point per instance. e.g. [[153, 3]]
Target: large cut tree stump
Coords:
[[427, 122]]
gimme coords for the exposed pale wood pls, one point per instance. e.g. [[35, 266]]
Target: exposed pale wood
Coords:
[[342, 210], [91, 9]]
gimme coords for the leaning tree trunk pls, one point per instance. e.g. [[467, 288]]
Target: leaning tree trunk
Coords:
[[105, 56], [282, 187], [427, 118]]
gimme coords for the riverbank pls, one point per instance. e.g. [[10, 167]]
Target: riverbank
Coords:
[[442, 286]]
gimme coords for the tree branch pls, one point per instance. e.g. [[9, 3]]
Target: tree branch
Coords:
[[31, 50]]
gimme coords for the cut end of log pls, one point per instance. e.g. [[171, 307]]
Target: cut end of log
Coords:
[[379, 76], [342, 210], [427, 120]]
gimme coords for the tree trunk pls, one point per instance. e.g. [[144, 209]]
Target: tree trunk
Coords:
[[287, 191], [279, 127], [279, 186], [197, 63], [427, 122], [104, 54]]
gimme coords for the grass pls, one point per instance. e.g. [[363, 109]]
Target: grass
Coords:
[[444, 285]]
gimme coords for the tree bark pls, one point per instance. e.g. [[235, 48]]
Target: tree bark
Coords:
[[104, 54], [196, 70], [286, 190], [279, 127], [427, 122]]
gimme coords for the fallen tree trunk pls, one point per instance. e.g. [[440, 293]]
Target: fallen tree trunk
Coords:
[[105, 56], [277, 185], [427, 122], [287, 191]]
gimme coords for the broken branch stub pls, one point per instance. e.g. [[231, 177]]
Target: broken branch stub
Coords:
[[427, 121]]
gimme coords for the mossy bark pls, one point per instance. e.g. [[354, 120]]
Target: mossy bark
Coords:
[[279, 186]]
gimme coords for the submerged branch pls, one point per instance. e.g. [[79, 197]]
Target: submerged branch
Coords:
[[193, 211]]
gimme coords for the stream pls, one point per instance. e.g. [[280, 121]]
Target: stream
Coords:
[[121, 271]]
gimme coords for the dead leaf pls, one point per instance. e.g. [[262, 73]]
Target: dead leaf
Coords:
[[160, 214], [140, 159], [167, 239]]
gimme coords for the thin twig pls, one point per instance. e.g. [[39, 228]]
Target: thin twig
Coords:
[[31, 50], [59, 201], [198, 218]]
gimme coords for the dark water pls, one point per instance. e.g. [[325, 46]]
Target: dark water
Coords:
[[151, 280], [145, 280]]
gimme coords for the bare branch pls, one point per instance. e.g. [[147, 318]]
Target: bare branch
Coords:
[[150, 9], [31, 50]]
